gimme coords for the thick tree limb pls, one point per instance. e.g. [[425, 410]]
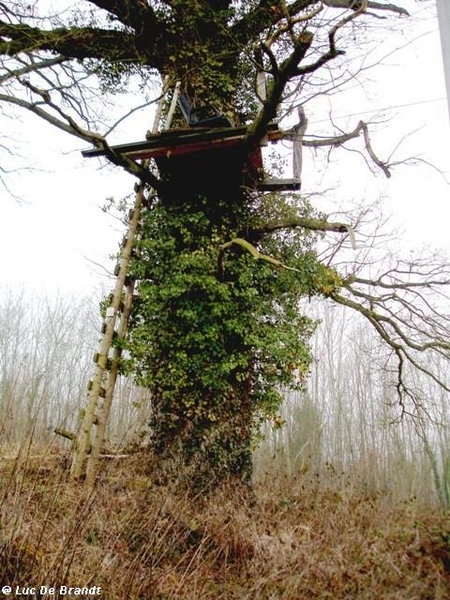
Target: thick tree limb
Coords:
[[268, 13], [80, 43], [138, 15], [285, 72], [288, 25], [303, 223]]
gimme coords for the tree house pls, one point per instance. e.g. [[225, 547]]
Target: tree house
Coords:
[[205, 159]]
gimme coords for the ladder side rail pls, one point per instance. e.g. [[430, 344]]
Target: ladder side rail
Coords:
[[104, 409]]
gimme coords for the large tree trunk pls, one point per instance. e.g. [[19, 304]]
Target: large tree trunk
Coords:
[[202, 414], [193, 315]]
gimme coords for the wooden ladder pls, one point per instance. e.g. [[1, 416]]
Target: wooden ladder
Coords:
[[89, 443]]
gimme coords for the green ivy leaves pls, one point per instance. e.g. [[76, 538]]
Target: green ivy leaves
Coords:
[[216, 338]]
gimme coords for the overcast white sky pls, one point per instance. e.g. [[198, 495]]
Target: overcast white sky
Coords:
[[53, 237]]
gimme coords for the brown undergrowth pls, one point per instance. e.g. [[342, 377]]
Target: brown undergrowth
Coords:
[[298, 539]]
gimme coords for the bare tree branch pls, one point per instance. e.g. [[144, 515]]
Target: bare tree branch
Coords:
[[68, 125], [406, 304], [29, 68], [353, 4], [339, 140], [333, 51]]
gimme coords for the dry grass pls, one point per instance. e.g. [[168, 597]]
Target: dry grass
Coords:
[[288, 540]]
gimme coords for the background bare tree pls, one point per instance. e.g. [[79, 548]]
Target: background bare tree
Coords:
[[46, 349]]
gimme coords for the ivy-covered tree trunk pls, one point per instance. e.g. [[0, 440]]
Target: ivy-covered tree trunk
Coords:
[[206, 332], [213, 332], [201, 334]]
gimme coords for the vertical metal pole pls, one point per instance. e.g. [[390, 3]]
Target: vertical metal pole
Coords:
[[443, 10]]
